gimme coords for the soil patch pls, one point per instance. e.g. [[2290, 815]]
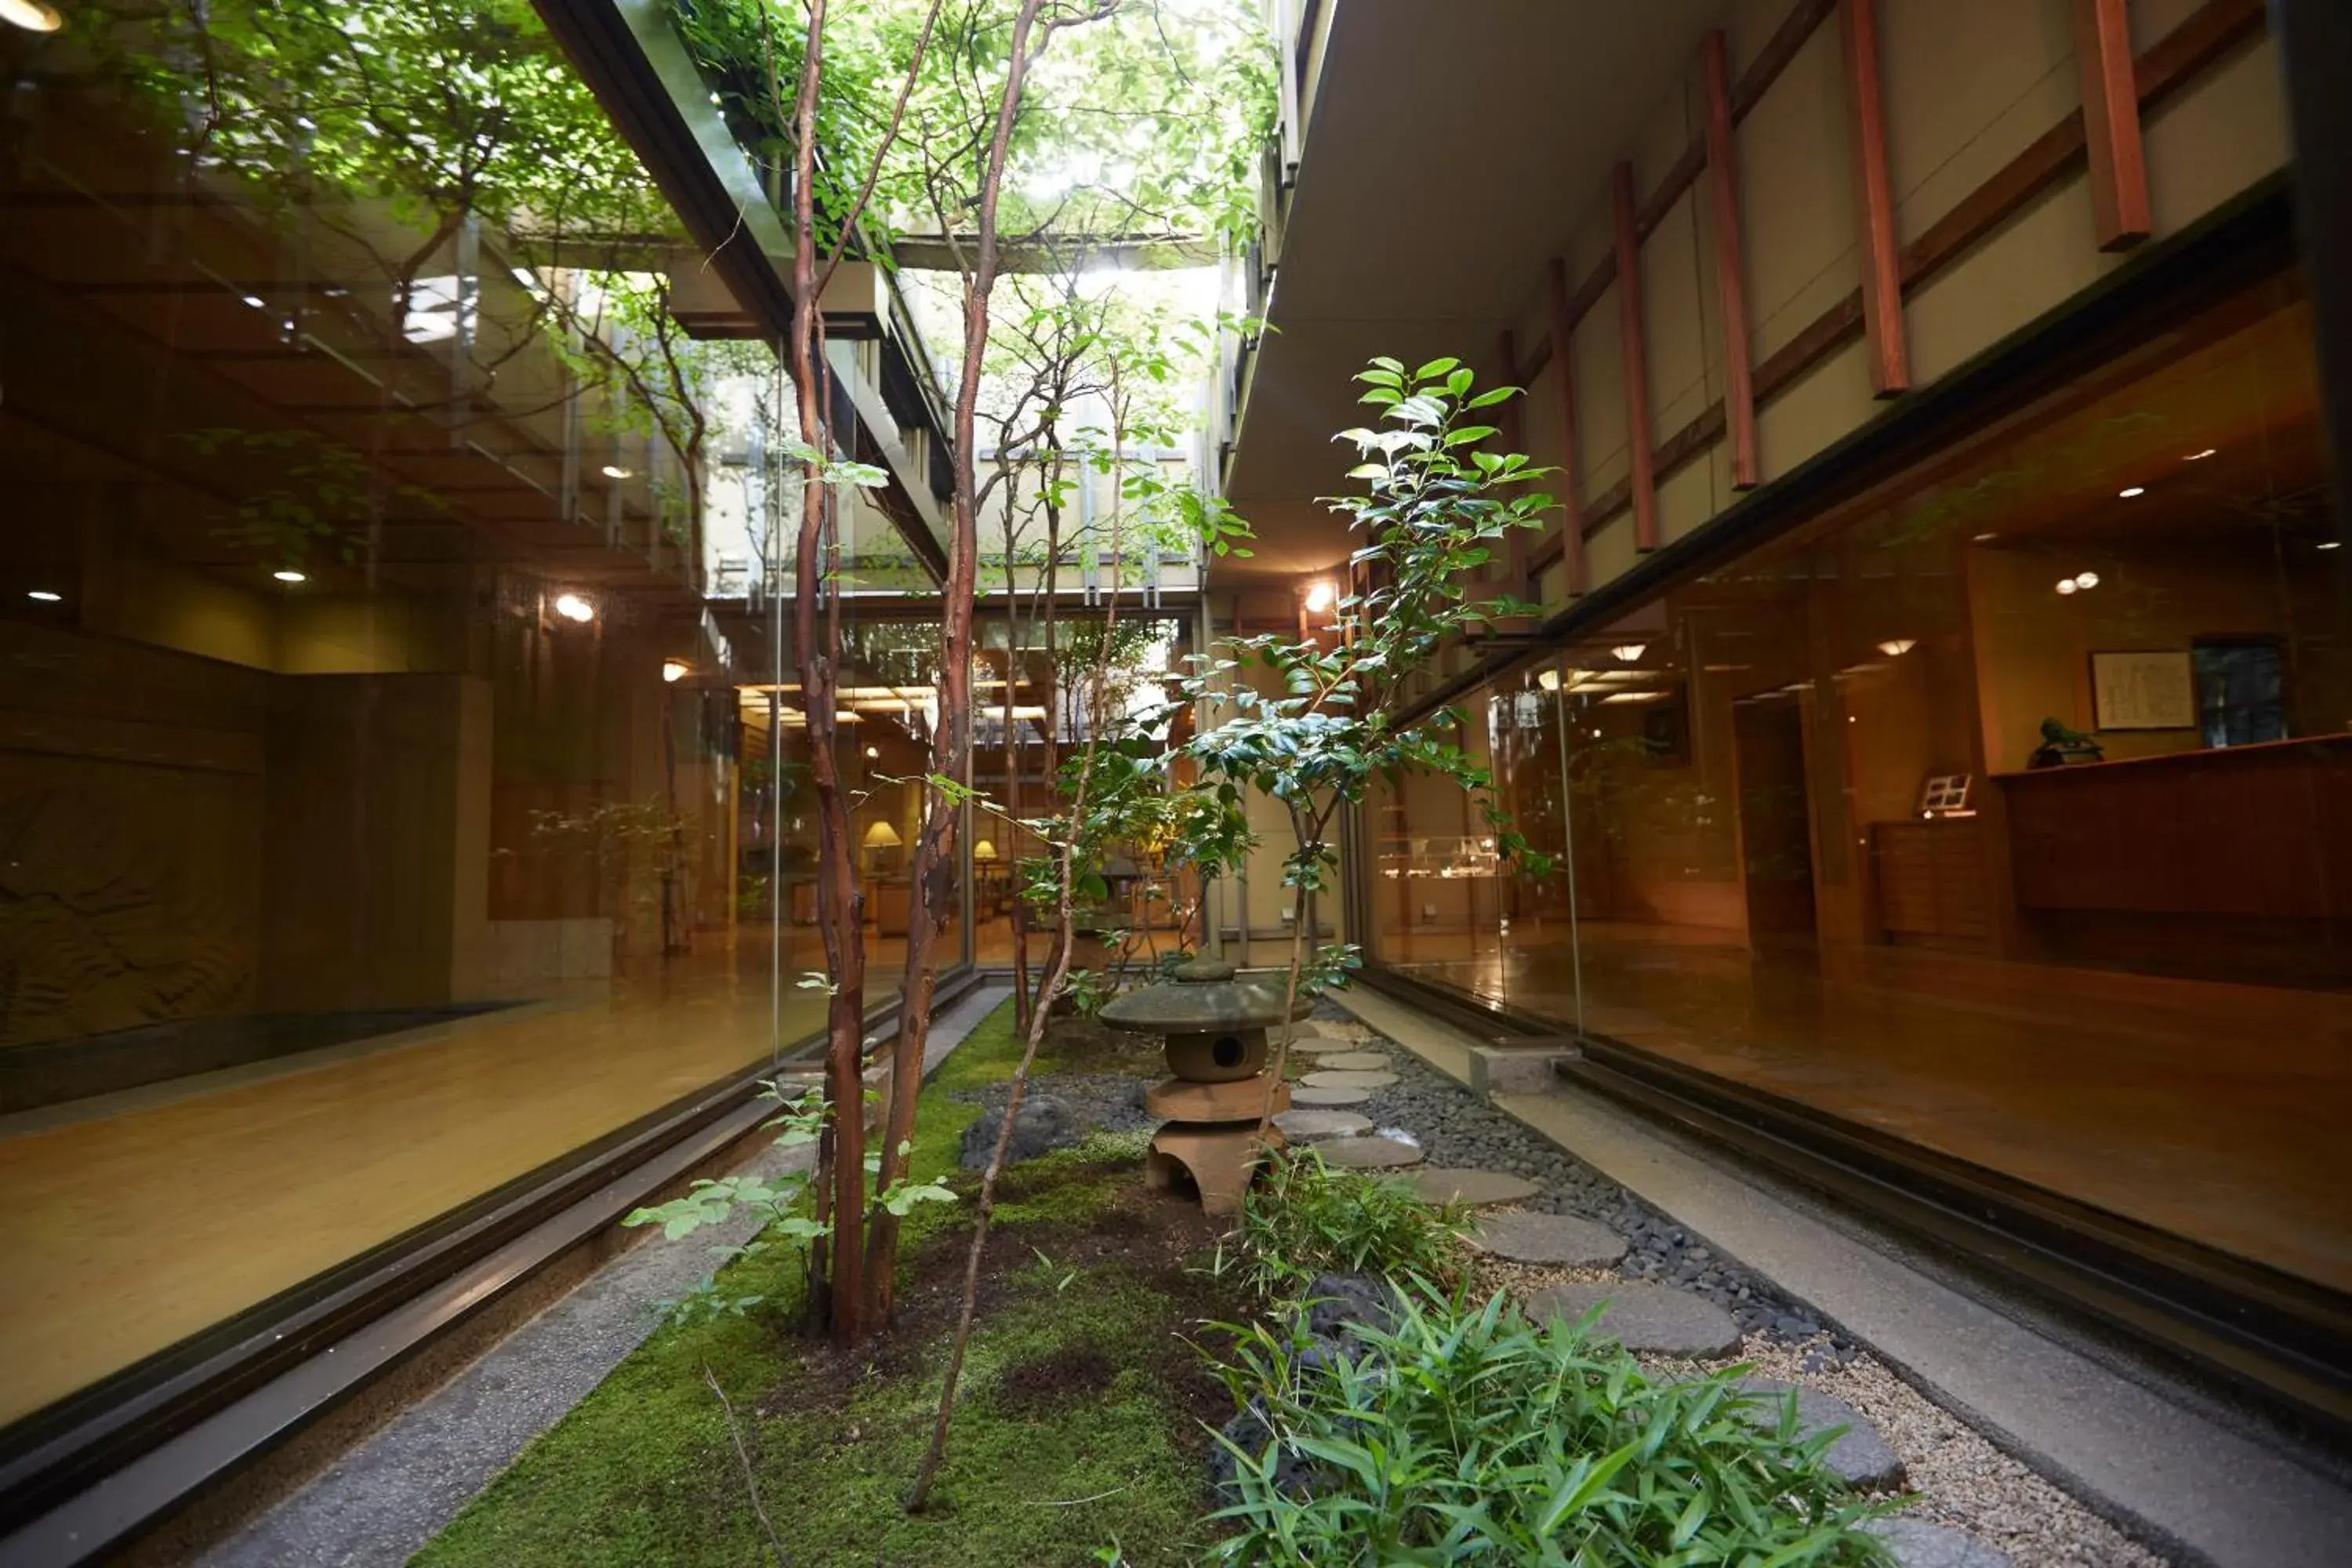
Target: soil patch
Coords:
[[1035, 1386]]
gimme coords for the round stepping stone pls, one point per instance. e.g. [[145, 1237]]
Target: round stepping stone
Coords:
[[1860, 1454], [1453, 1184], [1313, 1126], [1644, 1317], [1549, 1238], [1373, 1154], [1348, 1079], [1917, 1545], [1354, 1061], [1310, 1095]]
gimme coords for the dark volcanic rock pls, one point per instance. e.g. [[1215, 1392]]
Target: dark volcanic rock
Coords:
[[1336, 1299], [1045, 1123]]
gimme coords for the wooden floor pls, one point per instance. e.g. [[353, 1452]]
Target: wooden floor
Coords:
[[2214, 1112], [126, 1233]]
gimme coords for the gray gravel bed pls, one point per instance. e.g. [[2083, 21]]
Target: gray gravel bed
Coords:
[[1456, 1129]]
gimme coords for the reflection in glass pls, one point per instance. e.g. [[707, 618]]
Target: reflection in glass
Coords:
[[2006, 812]]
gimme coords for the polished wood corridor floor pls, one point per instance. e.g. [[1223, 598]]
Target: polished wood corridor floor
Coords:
[[125, 1233], [2214, 1112]]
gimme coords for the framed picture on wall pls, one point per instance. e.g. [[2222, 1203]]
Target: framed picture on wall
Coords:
[[2143, 691], [1943, 793]]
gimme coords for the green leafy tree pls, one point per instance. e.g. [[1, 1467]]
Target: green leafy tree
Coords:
[[1435, 507]]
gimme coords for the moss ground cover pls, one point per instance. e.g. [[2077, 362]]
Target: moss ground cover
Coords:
[[1082, 1429]]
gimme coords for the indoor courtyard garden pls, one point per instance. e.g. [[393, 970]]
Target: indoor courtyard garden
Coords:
[[1309, 783]]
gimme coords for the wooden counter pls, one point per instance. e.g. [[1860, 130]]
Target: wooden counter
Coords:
[[2260, 831]]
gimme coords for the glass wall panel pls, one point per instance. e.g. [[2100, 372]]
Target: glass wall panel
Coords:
[[1535, 928], [2009, 811], [392, 780]]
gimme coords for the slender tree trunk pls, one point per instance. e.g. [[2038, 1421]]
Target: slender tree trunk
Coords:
[[1056, 973], [840, 905], [1049, 732], [1308, 829], [935, 865], [1016, 908]]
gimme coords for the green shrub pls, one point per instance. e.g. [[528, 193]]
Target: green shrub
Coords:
[[1466, 1435], [1307, 1218]]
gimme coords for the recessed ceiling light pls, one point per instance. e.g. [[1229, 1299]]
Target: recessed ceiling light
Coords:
[[290, 576], [256, 301], [873, 751], [2066, 584], [572, 607], [33, 16], [45, 596], [2086, 579], [2130, 491], [1987, 538], [614, 472], [2201, 457], [2331, 544]]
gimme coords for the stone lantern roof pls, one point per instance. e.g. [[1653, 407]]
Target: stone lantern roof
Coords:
[[1204, 998]]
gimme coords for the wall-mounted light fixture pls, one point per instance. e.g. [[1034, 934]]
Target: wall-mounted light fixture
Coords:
[[1549, 679], [614, 472], [47, 597], [572, 607], [676, 670], [33, 16], [1895, 647], [1321, 594], [1630, 651]]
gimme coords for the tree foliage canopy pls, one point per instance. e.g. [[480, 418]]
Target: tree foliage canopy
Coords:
[[1145, 116]]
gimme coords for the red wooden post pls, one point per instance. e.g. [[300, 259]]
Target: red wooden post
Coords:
[[1571, 529], [1882, 274], [2103, 60], [1643, 478], [1723, 184]]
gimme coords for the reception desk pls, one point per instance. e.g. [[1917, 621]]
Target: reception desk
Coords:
[[2260, 832]]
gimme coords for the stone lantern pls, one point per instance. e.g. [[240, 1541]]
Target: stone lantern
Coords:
[[1216, 1029]]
